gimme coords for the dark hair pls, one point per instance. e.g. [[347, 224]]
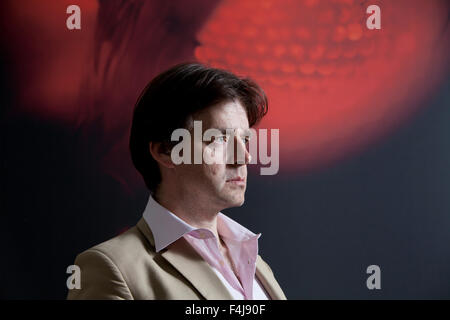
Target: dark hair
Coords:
[[171, 97]]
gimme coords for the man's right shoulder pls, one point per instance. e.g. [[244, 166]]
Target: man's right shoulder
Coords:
[[116, 268], [127, 247]]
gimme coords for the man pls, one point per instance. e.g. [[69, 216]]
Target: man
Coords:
[[184, 247]]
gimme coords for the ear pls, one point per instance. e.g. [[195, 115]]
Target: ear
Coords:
[[161, 154]]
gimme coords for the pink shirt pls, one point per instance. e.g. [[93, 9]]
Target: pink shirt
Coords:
[[242, 244]]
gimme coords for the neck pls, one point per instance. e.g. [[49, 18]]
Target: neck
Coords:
[[189, 209]]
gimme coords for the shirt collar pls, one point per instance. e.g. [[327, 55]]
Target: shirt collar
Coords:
[[167, 227], [231, 230]]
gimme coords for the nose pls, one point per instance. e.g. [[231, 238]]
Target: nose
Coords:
[[240, 154]]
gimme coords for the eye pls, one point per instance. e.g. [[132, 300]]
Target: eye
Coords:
[[221, 139]]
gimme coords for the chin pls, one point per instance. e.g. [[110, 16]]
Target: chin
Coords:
[[237, 201], [232, 197]]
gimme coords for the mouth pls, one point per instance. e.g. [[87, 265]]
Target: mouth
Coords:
[[237, 181]]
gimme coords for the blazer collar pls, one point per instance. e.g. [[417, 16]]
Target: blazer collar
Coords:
[[183, 257]]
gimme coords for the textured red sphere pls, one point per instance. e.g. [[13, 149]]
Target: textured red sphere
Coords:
[[334, 86]]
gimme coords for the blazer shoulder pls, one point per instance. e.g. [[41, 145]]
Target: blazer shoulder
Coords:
[[100, 278], [109, 269], [126, 248]]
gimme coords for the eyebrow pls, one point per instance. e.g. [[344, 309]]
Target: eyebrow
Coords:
[[224, 130]]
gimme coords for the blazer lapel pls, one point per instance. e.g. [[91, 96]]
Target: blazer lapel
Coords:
[[268, 281], [183, 257]]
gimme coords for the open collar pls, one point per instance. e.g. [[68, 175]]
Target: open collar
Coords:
[[184, 258], [167, 228]]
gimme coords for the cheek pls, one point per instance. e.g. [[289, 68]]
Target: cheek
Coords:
[[216, 172], [214, 154]]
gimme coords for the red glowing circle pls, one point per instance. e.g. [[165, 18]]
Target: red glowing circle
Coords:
[[333, 85]]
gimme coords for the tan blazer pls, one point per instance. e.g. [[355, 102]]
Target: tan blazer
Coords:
[[127, 267]]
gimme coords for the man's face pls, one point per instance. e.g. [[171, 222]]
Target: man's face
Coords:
[[213, 184]]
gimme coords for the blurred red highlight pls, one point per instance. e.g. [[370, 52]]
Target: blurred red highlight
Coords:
[[334, 86]]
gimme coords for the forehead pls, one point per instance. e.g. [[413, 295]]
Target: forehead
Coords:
[[229, 114]]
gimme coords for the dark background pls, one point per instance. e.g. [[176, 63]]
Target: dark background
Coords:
[[388, 205]]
